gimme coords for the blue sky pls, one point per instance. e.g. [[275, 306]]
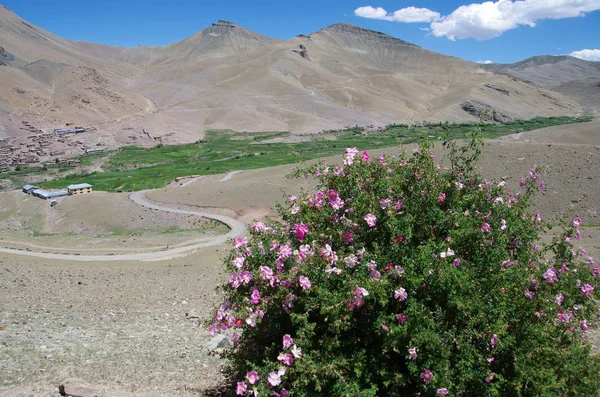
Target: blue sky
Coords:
[[499, 31]]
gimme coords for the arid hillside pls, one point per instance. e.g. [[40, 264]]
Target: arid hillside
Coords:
[[570, 76], [228, 77]]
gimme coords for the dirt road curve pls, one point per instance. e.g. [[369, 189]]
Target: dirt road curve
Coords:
[[236, 227]]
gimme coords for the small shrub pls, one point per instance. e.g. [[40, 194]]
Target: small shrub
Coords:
[[400, 278]]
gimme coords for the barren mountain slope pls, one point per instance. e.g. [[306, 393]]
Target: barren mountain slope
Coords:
[[226, 76], [50, 94], [571, 76], [29, 43], [341, 75]]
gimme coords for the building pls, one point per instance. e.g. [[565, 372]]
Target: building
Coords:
[[79, 189], [28, 188], [44, 194]]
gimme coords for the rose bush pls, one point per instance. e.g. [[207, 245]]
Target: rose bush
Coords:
[[398, 277]]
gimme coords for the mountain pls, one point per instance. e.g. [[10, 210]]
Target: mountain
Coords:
[[228, 77], [571, 76]]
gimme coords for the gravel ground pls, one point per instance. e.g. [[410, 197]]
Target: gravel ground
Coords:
[[121, 327]]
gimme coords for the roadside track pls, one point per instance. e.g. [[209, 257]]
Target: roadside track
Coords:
[[236, 228]]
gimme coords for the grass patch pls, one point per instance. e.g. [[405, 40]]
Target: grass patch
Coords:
[[136, 168]]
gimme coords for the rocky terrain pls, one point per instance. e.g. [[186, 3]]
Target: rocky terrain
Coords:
[[125, 328]]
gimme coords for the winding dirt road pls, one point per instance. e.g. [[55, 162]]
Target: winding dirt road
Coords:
[[236, 228]]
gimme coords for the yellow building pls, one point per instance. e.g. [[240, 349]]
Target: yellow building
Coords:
[[79, 189]]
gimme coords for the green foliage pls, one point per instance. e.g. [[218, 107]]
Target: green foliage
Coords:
[[396, 254], [138, 168]]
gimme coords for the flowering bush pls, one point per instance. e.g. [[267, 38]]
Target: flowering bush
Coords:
[[398, 277]]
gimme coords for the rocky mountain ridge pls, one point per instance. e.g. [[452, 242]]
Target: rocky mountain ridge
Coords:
[[228, 77]]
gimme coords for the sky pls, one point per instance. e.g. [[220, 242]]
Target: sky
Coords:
[[501, 31]]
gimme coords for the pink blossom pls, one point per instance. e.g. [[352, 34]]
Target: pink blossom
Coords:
[[486, 228], [300, 230], [457, 262], [285, 251], [584, 326], [494, 340], [350, 154], [347, 237], [241, 389], [564, 317], [351, 261], [287, 341], [587, 290], [559, 298], [239, 260], [255, 297], [441, 392], [266, 273], [503, 224], [240, 242], [412, 353], [381, 159], [401, 318], [427, 375], [337, 203], [329, 254], [529, 294], [371, 220], [252, 377], [274, 379], [490, 360], [259, 227], [398, 239], [384, 203], [246, 277], [365, 156], [358, 299], [550, 275], [400, 294], [399, 205], [304, 282], [286, 358], [490, 377], [522, 181], [296, 352], [441, 197]]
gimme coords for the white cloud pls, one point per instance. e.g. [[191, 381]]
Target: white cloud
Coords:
[[370, 12], [588, 55], [483, 21], [486, 62], [413, 14], [406, 15]]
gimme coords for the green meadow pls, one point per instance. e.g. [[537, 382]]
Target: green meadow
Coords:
[[136, 168]]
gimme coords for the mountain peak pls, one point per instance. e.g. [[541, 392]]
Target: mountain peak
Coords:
[[346, 29], [225, 24], [4, 10]]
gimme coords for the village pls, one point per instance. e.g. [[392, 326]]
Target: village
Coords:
[[29, 145], [44, 194]]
